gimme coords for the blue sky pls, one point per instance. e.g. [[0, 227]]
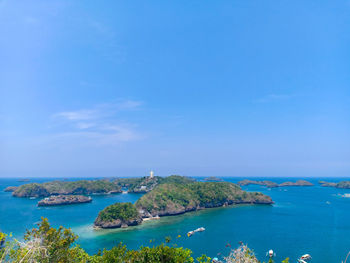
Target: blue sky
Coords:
[[198, 88]]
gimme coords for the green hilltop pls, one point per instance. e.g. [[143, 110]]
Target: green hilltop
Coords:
[[178, 196]]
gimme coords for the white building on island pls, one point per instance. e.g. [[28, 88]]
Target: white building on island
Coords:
[[151, 174]]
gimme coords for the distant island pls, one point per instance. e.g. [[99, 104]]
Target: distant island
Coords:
[[297, 183], [82, 187], [87, 187], [177, 197], [213, 179], [250, 182], [271, 184], [342, 184], [64, 200]]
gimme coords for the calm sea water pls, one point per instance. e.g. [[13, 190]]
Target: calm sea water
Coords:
[[313, 220]]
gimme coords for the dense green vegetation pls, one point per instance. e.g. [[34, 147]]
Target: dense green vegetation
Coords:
[[174, 198], [178, 198], [146, 184], [61, 187], [85, 187], [177, 179], [343, 184], [122, 211], [45, 244], [31, 190], [140, 184]]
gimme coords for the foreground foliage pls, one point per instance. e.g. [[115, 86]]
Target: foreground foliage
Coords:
[[46, 244]]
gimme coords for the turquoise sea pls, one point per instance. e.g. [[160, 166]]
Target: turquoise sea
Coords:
[[314, 220]]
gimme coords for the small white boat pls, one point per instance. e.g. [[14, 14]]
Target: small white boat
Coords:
[[270, 253], [200, 229], [304, 258]]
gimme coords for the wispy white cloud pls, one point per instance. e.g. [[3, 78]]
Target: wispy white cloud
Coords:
[[77, 115], [85, 125], [129, 105], [98, 125], [98, 111]]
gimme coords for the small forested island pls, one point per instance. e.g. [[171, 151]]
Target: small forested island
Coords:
[[213, 179], [297, 183], [23, 180], [82, 187], [271, 184], [174, 198], [265, 183], [10, 188], [64, 200], [118, 215], [342, 184]]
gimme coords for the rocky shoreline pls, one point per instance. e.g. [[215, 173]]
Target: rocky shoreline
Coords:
[[117, 223], [64, 200], [146, 216]]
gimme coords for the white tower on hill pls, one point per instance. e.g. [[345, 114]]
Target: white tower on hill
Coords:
[[151, 174]]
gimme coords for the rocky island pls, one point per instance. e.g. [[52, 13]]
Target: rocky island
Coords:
[[342, 184], [118, 215], [297, 183], [169, 199], [271, 184], [10, 188], [64, 200], [213, 179], [82, 187]]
